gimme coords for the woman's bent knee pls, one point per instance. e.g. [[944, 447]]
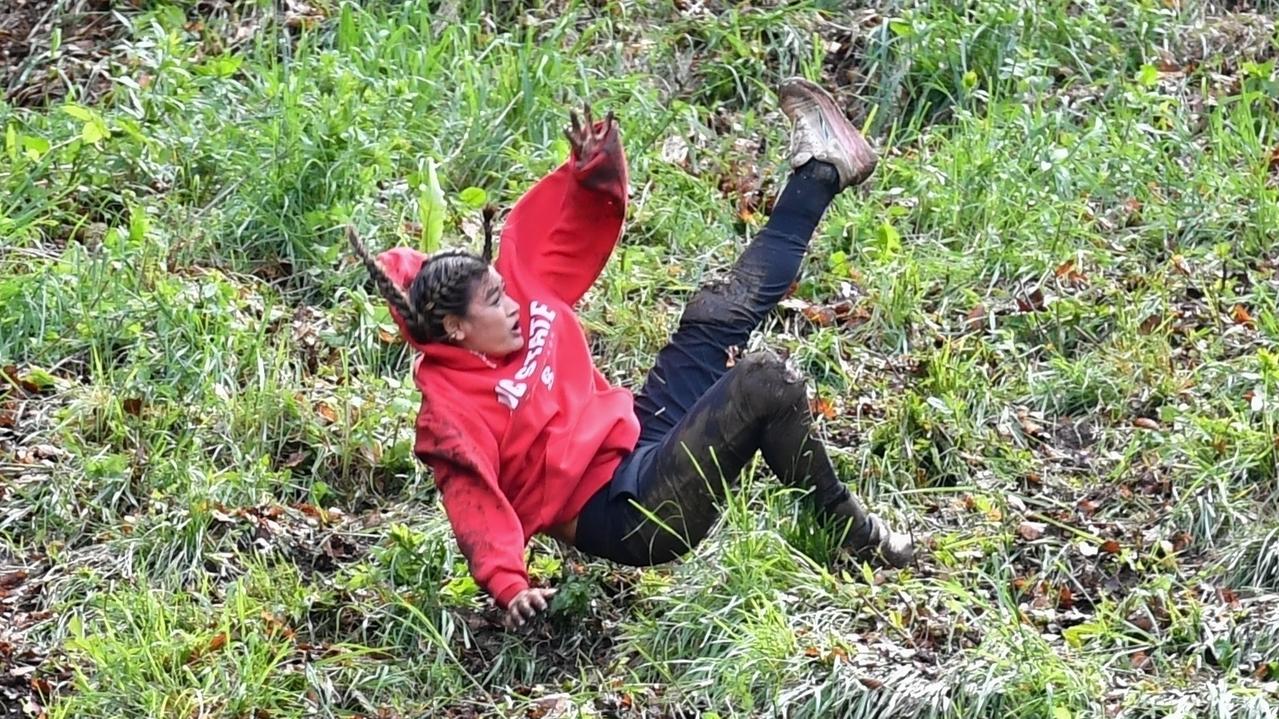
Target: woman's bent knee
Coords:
[[773, 382]]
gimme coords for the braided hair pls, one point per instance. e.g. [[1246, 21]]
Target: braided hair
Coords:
[[443, 286]]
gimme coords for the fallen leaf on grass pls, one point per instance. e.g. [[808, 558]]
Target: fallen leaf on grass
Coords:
[[1140, 660], [13, 579], [976, 316], [132, 406], [43, 689], [1028, 425], [325, 411], [1065, 599], [823, 407], [1150, 324], [819, 315], [1030, 531], [1032, 301], [317, 513], [1088, 507], [1146, 423], [276, 626], [1241, 316], [293, 459], [1110, 546], [1066, 271], [218, 641]]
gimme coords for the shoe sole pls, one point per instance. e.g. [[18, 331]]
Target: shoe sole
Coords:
[[854, 143]]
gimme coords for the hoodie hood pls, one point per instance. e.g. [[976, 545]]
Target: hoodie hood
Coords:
[[402, 264]]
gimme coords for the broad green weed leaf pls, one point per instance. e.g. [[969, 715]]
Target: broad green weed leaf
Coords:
[[34, 147], [1148, 76], [222, 66], [888, 242], [473, 197], [431, 210], [94, 132], [83, 114]]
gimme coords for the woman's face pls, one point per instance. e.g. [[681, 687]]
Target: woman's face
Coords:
[[492, 322]]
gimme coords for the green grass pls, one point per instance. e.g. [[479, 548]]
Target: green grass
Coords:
[[1059, 370]]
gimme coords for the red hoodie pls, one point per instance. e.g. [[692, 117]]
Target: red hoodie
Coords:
[[519, 444]]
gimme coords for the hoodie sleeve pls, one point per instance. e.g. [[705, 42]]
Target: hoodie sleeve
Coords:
[[563, 230], [463, 454]]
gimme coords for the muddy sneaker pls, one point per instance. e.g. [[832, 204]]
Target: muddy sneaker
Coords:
[[877, 541], [823, 133], [896, 548]]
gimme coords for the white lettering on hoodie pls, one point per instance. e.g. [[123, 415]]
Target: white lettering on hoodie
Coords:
[[511, 390]]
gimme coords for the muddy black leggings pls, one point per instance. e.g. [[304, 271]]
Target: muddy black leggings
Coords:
[[703, 417]]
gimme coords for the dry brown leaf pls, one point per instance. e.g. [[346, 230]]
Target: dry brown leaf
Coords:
[[1065, 598], [824, 407], [132, 406], [13, 579], [1032, 301], [820, 315], [1028, 425], [977, 315], [1066, 271], [217, 642], [1140, 660], [317, 513], [1241, 316], [1110, 546], [1030, 531], [294, 459], [326, 412]]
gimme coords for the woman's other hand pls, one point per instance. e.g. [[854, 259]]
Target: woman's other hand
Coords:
[[526, 605]]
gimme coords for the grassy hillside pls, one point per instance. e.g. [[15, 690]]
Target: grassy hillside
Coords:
[[1043, 336]]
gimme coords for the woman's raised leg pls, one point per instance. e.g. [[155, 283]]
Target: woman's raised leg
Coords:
[[828, 155]]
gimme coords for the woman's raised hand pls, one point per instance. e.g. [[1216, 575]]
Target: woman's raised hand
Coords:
[[584, 137], [526, 605]]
